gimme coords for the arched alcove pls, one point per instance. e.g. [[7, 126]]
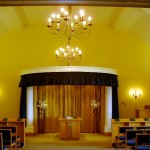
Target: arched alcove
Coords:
[[69, 75]]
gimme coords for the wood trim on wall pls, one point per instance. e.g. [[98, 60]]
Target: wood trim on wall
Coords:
[[124, 3]]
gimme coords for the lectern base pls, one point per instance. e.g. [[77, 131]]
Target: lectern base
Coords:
[[70, 128]]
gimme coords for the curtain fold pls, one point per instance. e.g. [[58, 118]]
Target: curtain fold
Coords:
[[67, 100], [22, 112], [68, 78], [115, 109]]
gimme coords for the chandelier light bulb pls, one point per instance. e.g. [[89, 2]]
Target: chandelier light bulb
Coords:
[[65, 54], [62, 9], [76, 17], [53, 17], [66, 13], [80, 52], [84, 24], [77, 48], [58, 16], [61, 49], [89, 20], [81, 13], [57, 53], [49, 22], [49, 19], [72, 25]]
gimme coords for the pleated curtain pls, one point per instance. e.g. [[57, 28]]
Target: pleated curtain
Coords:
[[69, 100]]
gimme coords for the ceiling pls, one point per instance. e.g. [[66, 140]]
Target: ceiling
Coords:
[[16, 18]]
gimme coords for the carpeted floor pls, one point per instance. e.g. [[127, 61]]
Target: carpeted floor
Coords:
[[52, 141]]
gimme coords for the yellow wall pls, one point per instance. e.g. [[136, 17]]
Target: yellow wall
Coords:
[[105, 47]]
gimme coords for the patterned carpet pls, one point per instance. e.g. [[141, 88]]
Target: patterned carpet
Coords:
[[52, 141]]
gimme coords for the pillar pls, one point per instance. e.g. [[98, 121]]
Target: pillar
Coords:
[[29, 111], [108, 109]]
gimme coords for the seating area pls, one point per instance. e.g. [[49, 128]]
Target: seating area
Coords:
[[121, 135], [9, 138], [132, 137], [142, 141], [14, 137], [2, 147], [8, 141], [12, 133]]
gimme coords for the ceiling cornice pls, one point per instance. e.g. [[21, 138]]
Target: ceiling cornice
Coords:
[[121, 3]]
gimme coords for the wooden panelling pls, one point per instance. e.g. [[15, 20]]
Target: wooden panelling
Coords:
[[127, 122], [145, 113]]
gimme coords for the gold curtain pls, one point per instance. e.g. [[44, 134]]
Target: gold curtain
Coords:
[[67, 100]]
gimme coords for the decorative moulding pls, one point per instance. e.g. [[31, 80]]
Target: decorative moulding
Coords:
[[69, 69]]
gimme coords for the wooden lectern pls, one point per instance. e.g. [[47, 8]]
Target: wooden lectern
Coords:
[[70, 127]]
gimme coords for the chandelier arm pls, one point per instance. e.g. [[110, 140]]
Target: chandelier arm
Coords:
[[81, 33], [81, 37]]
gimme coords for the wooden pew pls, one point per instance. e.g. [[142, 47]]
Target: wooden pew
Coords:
[[14, 134], [127, 122], [19, 123], [142, 141], [8, 141]]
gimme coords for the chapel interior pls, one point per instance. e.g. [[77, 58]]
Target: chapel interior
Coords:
[[118, 45]]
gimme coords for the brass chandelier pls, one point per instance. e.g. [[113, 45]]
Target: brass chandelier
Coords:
[[68, 54], [64, 26]]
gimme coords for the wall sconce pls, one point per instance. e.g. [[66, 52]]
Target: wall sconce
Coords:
[[135, 93]]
